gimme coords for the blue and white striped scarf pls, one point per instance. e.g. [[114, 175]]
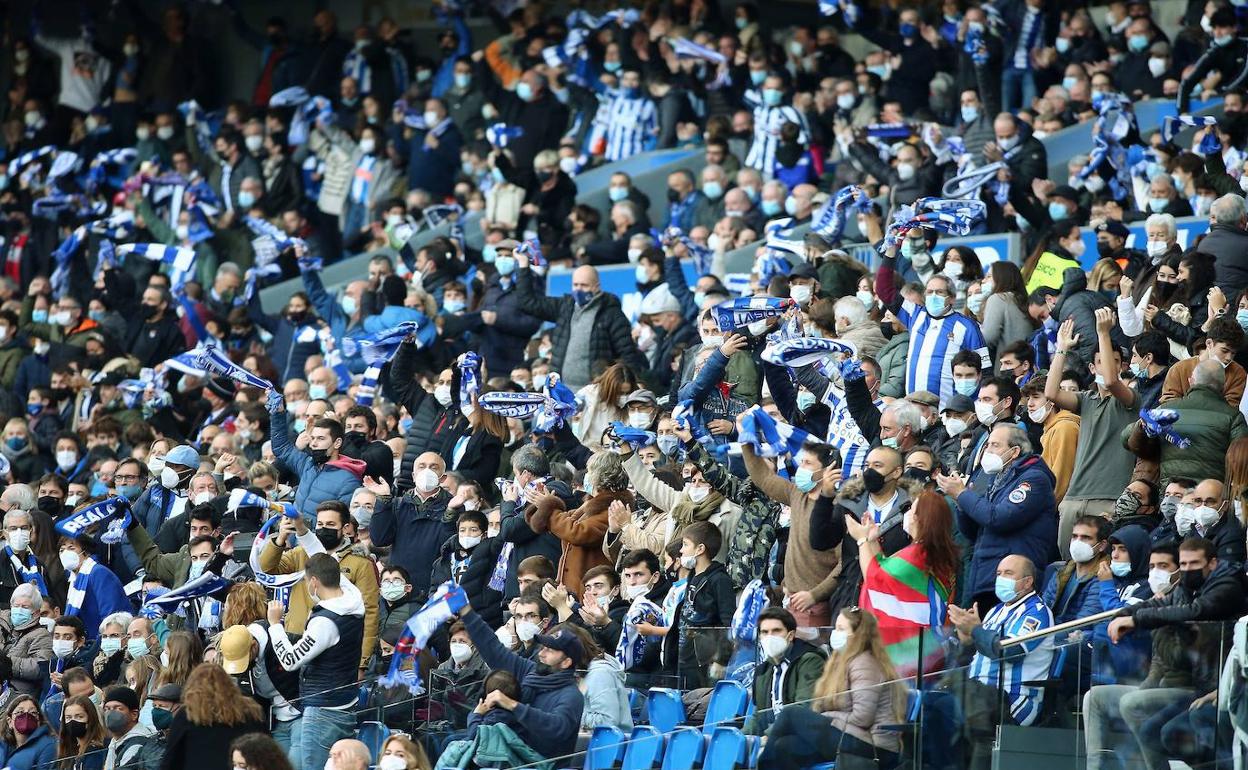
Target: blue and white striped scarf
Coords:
[[829, 221], [206, 584], [702, 256], [511, 404], [1172, 124], [26, 158], [77, 523], [560, 406], [500, 134], [118, 226], [29, 571], [632, 645], [637, 438], [212, 359], [687, 49], [734, 314], [78, 583], [769, 437], [469, 381], [753, 601], [623, 18], [804, 351]]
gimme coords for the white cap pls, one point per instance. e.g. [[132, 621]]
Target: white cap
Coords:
[[659, 300]]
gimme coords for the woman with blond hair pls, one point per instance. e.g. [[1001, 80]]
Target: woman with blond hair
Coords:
[[857, 695], [1237, 477], [214, 712], [401, 753], [183, 652], [245, 603]]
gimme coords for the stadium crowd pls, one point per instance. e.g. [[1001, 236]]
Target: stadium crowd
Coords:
[[446, 516]]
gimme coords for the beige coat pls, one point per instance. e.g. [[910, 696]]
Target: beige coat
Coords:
[[663, 497], [866, 705]]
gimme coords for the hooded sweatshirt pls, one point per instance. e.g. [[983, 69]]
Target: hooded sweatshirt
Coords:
[[606, 699], [1129, 657]]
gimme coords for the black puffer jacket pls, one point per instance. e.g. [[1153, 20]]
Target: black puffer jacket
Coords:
[[1220, 598], [434, 427], [476, 578], [1079, 303], [612, 337]]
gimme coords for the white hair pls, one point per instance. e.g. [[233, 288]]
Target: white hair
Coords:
[[851, 308], [907, 414], [12, 516], [21, 495], [28, 591], [1163, 220], [121, 619], [1228, 210]]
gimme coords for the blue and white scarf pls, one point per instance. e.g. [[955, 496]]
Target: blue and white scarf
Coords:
[[77, 523], [26, 158], [734, 314], [769, 437], [632, 645], [1172, 124], [206, 584], [511, 404], [212, 359], [500, 134], [751, 604], [804, 351], [273, 582], [29, 571], [469, 381], [442, 606], [78, 583], [634, 437], [560, 406], [498, 576], [687, 49]]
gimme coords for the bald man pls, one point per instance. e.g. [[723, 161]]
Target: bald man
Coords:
[[348, 754], [417, 523], [589, 325]]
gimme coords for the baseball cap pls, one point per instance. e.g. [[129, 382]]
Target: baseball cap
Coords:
[[959, 403], [804, 270], [659, 300], [566, 642], [235, 649], [171, 692], [1113, 227], [183, 454]]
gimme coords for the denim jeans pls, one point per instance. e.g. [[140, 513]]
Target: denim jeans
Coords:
[[320, 728], [1104, 704], [355, 218], [1018, 89], [287, 736]]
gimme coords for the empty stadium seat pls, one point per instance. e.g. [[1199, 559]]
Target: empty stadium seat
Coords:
[[666, 709], [729, 701], [726, 749], [606, 747], [685, 747], [644, 750], [373, 735]]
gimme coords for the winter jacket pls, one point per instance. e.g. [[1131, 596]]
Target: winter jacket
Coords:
[[525, 542], [1067, 601], [342, 157], [502, 343], [434, 169], [38, 751], [828, 531], [1228, 245], [458, 690], [1005, 322], [292, 343], [665, 498], [335, 480], [1127, 661], [353, 561], [804, 666], [550, 706], [752, 539], [892, 361], [154, 342], [1211, 424], [1058, 440], [1178, 378], [606, 699], [1014, 515], [1080, 304], [172, 569], [29, 649], [191, 746], [866, 336], [329, 308], [1220, 598], [434, 426], [475, 579], [710, 401], [581, 532], [416, 529], [611, 339]]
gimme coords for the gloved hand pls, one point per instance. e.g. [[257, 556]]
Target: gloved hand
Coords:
[[275, 402], [851, 370]]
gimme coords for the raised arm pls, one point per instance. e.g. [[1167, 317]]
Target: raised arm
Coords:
[[1066, 340], [1113, 378], [765, 477], [656, 492]]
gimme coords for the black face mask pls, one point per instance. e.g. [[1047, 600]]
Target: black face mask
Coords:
[[319, 456], [919, 475], [148, 311], [354, 438], [873, 480], [60, 394], [330, 538], [297, 318], [1193, 579], [545, 668], [75, 730], [1103, 249], [50, 505], [673, 195]]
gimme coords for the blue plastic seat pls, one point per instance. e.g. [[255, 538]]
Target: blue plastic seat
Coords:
[[729, 701], [606, 747], [726, 749], [373, 735], [685, 747], [644, 750], [666, 709]]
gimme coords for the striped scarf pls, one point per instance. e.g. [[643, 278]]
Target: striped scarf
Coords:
[[29, 571], [78, 583]]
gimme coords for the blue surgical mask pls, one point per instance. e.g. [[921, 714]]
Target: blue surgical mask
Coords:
[[713, 190], [1120, 568], [611, 66], [805, 400], [505, 265], [130, 491], [1057, 210], [790, 206], [668, 444], [1137, 43], [1158, 205], [20, 616], [966, 387], [1006, 589], [1241, 316], [95, 315], [1223, 40], [18, 443], [524, 91], [906, 29], [34, 409], [616, 193], [935, 304], [317, 391], [970, 114], [39, 315], [497, 175], [772, 97], [771, 208], [197, 569], [489, 254], [246, 199], [1069, 83], [462, 79], [758, 76], [1062, 44], [300, 424], [804, 479], [1140, 371], [453, 305]]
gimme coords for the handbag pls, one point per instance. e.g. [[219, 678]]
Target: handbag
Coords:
[[848, 761]]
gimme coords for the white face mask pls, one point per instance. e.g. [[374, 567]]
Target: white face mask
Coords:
[[801, 293], [1158, 579], [460, 652], [368, 145], [526, 630], [201, 498], [19, 540], [713, 341], [426, 480], [699, 493], [392, 762], [469, 541], [66, 459], [254, 142], [156, 465], [634, 592], [907, 523], [1206, 517], [773, 646], [1039, 415], [442, 394], [1081, 552], [838, 639], [505, 637], [168, 478], [985, 412], [991, 463], [62, 648], [70, 560], [954, 426], [639, 420]]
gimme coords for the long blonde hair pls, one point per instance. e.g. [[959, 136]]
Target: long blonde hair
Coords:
[[185, 653], [212, 697], [245, 604], [417, 759], [865, 639]]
